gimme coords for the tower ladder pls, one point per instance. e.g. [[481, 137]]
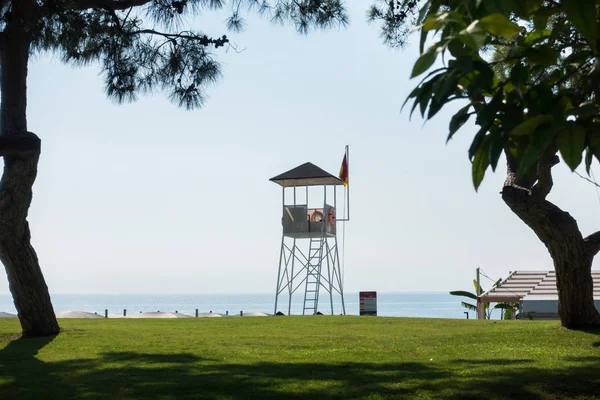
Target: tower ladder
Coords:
[[313, 274]]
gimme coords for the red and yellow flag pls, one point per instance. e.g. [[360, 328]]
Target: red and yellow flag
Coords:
[[344, 171]]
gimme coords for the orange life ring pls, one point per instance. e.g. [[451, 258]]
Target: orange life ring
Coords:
[[317, 216], [331, 216]]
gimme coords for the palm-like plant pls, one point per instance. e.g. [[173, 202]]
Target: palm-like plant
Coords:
[[507, 307]]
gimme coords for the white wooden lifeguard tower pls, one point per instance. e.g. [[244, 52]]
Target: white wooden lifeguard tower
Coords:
[[309, 256]]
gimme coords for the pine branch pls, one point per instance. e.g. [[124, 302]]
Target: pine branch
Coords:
[[139, 58], [115, 18], [108, 4], [204, 40]]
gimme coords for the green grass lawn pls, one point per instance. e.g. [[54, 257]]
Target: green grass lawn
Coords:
[[301, 358]]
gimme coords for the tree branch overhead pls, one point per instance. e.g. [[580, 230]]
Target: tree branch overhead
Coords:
[[113, 5]]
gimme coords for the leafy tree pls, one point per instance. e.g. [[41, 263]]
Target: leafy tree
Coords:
[[140, 49], [529, 73]]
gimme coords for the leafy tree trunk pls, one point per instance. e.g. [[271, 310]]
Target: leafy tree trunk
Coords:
[[571, 253], [573, 277], [21, 151]]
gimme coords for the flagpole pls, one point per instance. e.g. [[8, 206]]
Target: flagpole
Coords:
[[348, 187]]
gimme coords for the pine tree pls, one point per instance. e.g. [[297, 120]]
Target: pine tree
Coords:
[[140, 49]]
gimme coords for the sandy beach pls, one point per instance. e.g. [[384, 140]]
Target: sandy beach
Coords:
[[157, 314]]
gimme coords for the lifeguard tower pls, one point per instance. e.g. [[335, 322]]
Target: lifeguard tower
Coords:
[[309, 257]]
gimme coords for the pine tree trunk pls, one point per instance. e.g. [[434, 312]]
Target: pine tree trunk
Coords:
[[558, 230], [20, 150]]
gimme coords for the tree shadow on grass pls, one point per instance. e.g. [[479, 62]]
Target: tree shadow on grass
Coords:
[[118, 375], [594, 332], [493, 361]]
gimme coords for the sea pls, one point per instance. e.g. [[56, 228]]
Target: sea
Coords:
[[422, 305]]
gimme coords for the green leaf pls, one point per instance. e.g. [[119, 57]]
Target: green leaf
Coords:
[[434, 107], [499, 25], [433, 22], [528, 126], [496, 148], [464, 63], [481, 162], [442, 89], [579, 56], [419, 93], [533, 5], [480, 291], [541, 99], [458, 120], [445, 86], [477, 140], [463, 294], [424, 12], [586, 109], [519, 75], [425, 96], [422, 40], [468, 306], [473, 36], [524, 8], [457, 48], [486, 114], [412, 94], [438, 21], [425, 61], [536, 36], [542, 15], [583, 15], [540, 141], [554, 77], [508, 309], [428, 9], [485, 77], [515, 146], [589, 157], [540, 20], [562, 106], [571, 142], [542, 55], [500, 6]]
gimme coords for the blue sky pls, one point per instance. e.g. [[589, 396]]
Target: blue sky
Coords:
[[147, 198]]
